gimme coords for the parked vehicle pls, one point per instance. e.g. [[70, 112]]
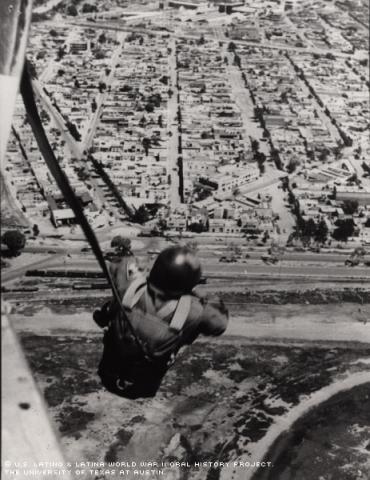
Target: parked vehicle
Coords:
[[352, 262], [228, 259], [269, 259]]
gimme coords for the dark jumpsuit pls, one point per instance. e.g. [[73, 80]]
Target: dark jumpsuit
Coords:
[[123, 368]]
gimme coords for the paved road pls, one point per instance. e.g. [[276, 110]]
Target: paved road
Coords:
[[74, 147], [334, 272], [94, 120], [94, 123], [214, 268], [244, 101], [299, 50], [333, 130], [242, 97], [301, 257], [263, 182], [19, 272], [207, 246], [124, 28], [173, 141]]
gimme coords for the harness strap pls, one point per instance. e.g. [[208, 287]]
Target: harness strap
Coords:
[[167, 309], [134, 292], [181, 313], [179, 308]]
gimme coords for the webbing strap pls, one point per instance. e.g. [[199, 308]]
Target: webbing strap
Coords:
[[134, 292], [179, 308], [65, 187], [167, 309], [181, 313]]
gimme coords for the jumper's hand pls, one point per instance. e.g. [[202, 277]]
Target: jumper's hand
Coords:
[[199, 293]]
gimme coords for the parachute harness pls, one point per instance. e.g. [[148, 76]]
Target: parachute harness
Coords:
[[72, 200]]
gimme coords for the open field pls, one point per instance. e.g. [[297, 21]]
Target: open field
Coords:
[[327, 440], [272, 359], [254, 385]]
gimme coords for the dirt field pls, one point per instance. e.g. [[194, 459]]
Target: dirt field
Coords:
[[217, 402], [252, 385], [330, 441]]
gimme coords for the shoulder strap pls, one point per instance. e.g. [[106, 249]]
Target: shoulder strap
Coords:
[[134, 292], [179, 308], [181, 313], [167, 309]]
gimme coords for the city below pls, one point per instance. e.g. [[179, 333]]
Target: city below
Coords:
[[186, 119]]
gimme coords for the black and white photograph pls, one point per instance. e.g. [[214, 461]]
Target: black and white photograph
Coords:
[[185, 239]]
